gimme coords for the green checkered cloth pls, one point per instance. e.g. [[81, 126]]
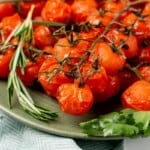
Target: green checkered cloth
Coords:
[[15, 135]]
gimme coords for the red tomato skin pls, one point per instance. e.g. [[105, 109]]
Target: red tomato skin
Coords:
[[137, 96], [43, 37], [73, 99], [25, 7], [6, 9], [63, 49], [111, 61], [51, 86], [81, 10], [126, 78], [31, 70], [112, 89], [97, 80], [5, 59], [139, 28], [128, 43], [56, 11], [8, 24]]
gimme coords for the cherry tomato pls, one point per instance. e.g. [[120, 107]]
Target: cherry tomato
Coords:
[[25, 7], [137, 96], [96, 79], [131, 21], [112, 89], [9, 23], [43, 37], [5, 59], [82, 9], [31, 70], [65, 48], [113, 7], [127, 43], [6, 9], [104, 54], [50, 77], [56, 11], [74, 99]]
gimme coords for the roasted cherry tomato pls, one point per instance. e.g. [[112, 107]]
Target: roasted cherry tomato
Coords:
[[136, 25], [51, 76], [82, 9], [127, 43], [30, 74], [43, 37], [137, 96], [74, 49], [74, 99], [110, 60], [8, 24], [112, 89], [97, 80], [5, 59], [57, 11]]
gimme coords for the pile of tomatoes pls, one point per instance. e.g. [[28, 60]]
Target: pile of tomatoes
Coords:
[[96, 50]]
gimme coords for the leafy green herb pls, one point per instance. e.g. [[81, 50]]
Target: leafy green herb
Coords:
[[127, 122], [24, 34]]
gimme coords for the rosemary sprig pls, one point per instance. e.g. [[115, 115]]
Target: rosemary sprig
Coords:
[[24, 34]]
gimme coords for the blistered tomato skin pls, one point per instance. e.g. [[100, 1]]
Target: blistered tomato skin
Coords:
[[81, 10], [56, 11], [137, 96], [110, 60], [97, 80], [75, 100], [113, 88], [50, 78], [128, 44], [8, 24]]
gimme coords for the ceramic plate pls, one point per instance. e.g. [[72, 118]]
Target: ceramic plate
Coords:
[[65, 125]]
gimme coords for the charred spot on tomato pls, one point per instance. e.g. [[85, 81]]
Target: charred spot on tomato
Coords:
[[145, 42]]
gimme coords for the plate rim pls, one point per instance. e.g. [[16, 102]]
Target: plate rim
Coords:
[[53, 131]]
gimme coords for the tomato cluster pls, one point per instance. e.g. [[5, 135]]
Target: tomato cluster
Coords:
[[96, 50]]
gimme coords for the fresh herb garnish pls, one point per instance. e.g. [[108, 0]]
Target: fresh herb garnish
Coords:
[[127, 122]]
